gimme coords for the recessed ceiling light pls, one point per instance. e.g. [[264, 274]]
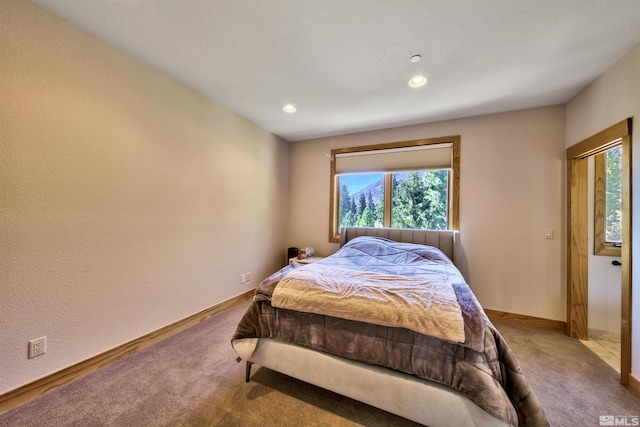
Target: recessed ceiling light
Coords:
[[289, 108], [415, 58], [417, 81]]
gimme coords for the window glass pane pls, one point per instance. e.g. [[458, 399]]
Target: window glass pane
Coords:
[[613, 200], [361, 199], [420, 199]]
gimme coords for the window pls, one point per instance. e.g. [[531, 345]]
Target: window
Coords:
[[410, 184], [420, 199], [608, 202], [361, 198]]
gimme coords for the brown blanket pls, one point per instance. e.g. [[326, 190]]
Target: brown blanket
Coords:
[[482, 367]]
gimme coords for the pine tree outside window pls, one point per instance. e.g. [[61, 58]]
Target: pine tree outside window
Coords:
[[608, 202]]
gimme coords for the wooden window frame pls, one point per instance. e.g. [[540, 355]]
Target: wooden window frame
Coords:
[[600, 245], [454, 179]]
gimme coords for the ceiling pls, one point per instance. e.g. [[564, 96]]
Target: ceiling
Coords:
[[345, 63]]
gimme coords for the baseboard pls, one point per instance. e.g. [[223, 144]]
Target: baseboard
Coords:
[[634, 385], [35, 389], [531, 321]]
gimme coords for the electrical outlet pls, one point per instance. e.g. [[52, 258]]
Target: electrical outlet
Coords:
[[248, 276], [37, 347], [243, 277]]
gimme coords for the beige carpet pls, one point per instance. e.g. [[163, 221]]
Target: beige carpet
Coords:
[[192, 379]]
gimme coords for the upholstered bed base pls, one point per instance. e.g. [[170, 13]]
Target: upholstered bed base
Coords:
[[422, 401]]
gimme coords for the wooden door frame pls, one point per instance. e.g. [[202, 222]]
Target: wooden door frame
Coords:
[[577, 236]]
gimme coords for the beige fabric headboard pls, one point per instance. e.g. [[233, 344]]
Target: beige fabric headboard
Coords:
[[443, 240]]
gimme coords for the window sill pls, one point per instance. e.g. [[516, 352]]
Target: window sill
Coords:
[[608, 251]]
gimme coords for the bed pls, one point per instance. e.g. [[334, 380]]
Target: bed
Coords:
[[349, 324]]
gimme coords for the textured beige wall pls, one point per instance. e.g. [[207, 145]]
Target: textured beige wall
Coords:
[[512, 188], [612, 97], [127, 201]]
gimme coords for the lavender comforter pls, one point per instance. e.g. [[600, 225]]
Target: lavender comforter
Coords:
[[483, 367]]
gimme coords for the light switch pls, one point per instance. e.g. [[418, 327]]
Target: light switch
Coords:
[[548, 233]]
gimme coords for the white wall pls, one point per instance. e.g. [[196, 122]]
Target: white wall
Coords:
[[127, 201], [605, 292], [612, 97], [512, 188]]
